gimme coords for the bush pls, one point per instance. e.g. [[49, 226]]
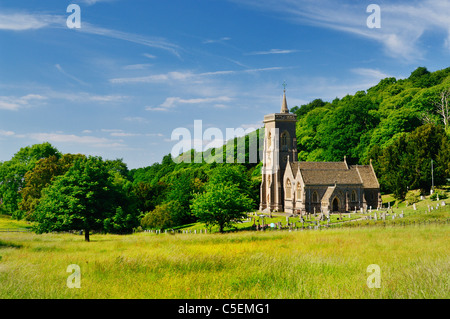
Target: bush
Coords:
[[159, 218], [412, 198], [441, 195]]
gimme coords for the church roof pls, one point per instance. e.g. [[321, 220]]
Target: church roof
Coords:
[[330, 176], [368, 176], [331, 173], [322, 165]]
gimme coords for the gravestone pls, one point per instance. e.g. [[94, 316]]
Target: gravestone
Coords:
[[443, 204], [414, 206]]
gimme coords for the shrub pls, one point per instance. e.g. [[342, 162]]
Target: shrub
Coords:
[[441, 195]]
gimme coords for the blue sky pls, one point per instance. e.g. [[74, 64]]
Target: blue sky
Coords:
[[136, 70]]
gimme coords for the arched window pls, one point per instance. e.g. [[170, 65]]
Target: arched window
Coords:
[[284, 141], [288, 189], [269, 139], [353, 196], [299, 191], [315, 197]]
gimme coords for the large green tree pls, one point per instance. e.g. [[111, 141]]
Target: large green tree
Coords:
[[84, 198], [226, 199], [221, 205]]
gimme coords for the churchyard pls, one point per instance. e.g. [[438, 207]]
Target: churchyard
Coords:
[[295, 262]]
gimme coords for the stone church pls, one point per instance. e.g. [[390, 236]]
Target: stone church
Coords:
[[310, 187]]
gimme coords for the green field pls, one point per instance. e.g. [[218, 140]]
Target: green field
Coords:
[[412, 253], [414, 263]]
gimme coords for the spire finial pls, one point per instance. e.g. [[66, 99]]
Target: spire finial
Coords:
[[284, 108]]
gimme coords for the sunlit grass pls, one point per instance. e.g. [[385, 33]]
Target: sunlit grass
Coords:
[[305, 264]]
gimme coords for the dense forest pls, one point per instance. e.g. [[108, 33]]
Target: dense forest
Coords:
[[402, 126]]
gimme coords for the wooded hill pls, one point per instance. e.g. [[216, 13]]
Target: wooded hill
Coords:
[[401, 125]]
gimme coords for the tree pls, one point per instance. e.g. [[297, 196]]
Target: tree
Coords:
[[221, 205], [43, 173], [442, 106], [406, 163], [182, 191], [81, 199], [12, 174]]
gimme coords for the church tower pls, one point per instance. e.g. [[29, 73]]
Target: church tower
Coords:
[[280, 148]]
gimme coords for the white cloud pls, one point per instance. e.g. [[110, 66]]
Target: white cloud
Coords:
[[370, 73], [217, 40], [150, 56], [402, 23], [186, 75], [173, 101], [71, 138], [136, 119], [13, 103], [84, 96], [60, 69], [23, 21], [6, 133], [273, 51], [123, 134], [141, 66], [92, 2], [156, 109], [18, 21], [153, 42]]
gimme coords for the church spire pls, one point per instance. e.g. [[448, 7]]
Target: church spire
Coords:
[[284, 108]]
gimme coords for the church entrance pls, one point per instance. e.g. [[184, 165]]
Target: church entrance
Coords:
[[335, 204]]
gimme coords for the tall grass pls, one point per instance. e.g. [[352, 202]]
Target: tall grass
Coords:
[[414, 263]]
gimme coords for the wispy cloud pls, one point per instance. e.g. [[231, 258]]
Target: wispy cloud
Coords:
[[153, 42], [220, 40], [75, 139], [13, 103], [70, 76], [370, 73], [173, 101], [148, 55], [402, 23], [136, 119], [18, 21], [272, 51], [6, 133], [186, 75], [141, 66], [92, 2]]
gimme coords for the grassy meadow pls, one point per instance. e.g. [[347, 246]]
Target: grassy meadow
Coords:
[[413, 256], [414, 262]]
